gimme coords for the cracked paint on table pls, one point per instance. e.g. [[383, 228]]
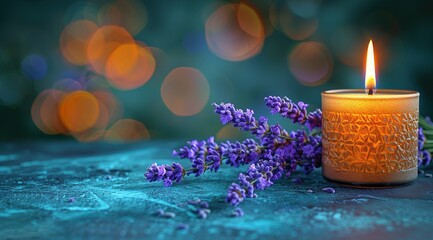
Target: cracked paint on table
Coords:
[[64, 190]]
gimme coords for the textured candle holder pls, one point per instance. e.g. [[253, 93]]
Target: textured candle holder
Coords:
[[370, 140]]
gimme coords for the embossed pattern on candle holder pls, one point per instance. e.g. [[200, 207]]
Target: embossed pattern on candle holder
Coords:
[[373, 143]]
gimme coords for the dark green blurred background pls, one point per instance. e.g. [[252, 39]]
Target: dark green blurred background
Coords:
[[326, 40]]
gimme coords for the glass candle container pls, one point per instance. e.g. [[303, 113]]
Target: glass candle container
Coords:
[[370, 140]]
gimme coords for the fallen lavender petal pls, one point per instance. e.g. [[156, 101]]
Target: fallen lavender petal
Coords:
[[297, 180], [237, 213], [204, 205], [328, 190], [159, 212], [202, 214], [182, 226]]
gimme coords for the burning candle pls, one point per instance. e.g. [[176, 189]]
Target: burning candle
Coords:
[[370, 137]]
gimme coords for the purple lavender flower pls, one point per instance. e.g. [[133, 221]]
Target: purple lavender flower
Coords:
[[202, 154], [226, 112], [262, 127], [260, 175], [328, 190], [173, 173], [314, 120], [306, 150], [268, 135], [421, 138], [155, 173], [235, 194], [240, 153], [213, 159], [165, 173], [245, 120], [198, 167], [239, 118], [286, 108], [237, 213], [424, 158]]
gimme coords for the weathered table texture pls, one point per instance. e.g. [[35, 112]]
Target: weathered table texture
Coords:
[[69, 190]]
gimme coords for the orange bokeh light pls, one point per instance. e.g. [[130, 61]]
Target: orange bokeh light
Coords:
[[45, 112], [79, 111], [103, 43], [90, 135], [111, 109], [311, 63], [74, 41], [185, 91], [130, 66], [228, 132], [126, 130], [235, 32]]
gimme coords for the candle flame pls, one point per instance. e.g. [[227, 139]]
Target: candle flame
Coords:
[[370, 71]]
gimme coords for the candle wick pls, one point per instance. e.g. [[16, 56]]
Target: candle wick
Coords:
[[370, 91]]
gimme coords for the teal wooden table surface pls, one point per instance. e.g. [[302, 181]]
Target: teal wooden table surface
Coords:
[[68, 190]]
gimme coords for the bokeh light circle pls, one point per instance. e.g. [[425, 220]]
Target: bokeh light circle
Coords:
[[126, 130], [34, 67], [228, 132], [129, 14], [74, 41], [311, 63], [45, 113], [79, 111], [295, 27], [185, 91], [130, 66], [110, 106], [67, 85], [235, 32], [90, 135], [103, 43]]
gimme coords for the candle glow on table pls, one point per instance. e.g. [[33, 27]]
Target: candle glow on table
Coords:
[[370, 137]]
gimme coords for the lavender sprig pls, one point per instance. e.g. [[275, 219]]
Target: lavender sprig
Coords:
[[205, 155], [260, 175], [166, 173], [245, 120], [238, 154], [296, 112], [202, 154]]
